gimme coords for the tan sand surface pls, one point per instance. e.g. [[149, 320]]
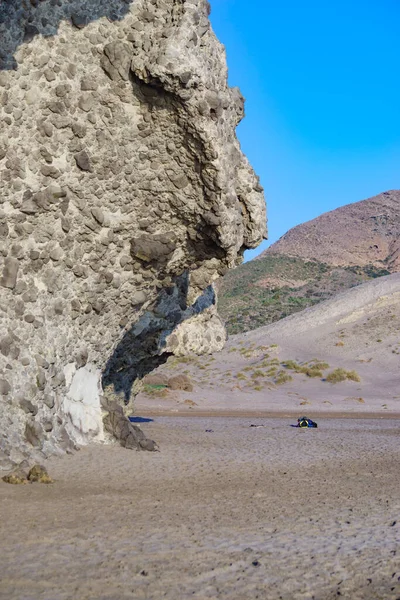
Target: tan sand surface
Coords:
[[238, 512]]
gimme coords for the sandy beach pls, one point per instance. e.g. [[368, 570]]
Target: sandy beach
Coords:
[[236, 512], [226, 510]]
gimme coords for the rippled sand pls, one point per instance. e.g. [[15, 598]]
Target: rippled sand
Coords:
[[237, 512]]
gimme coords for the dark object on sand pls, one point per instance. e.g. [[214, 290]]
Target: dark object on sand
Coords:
[[306, 422]]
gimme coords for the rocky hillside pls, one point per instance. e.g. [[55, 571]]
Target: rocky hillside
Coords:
[[124, 195], [313, 262], [360, 234]]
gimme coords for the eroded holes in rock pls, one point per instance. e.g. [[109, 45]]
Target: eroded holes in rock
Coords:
[[44, 19]]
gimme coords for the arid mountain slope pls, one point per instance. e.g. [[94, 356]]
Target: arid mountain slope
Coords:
[[264, 291], [313, 262], [363, 233]]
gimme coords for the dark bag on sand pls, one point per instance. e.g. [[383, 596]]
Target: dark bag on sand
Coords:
[[306, 422]]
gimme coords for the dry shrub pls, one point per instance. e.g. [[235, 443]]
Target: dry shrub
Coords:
[[359, 400], [155, 391], [190, 402], [283, 378], [353, 376], [338, 375], [272, 372], [263, 363], [257, 374], [310, 371], [290, 364], [313, 370], [186, 359], [180, 382], [155, 379], [274, 361], [319, 365], [241, 376]]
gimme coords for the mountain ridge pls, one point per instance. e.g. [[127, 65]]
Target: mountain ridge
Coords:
[[314, 261], [361, 233]]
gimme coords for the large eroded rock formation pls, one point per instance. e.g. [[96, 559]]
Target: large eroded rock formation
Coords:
[[124, 195]]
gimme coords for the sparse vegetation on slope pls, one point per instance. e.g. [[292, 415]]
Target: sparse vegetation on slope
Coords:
[[253, 368], [339, 375], [270, 288]]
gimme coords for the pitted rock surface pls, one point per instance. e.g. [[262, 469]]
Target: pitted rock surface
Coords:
[[124, 195]]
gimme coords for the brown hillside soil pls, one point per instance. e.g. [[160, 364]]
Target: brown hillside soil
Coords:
[[363, 233]]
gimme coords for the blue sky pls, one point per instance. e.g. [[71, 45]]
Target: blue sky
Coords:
[[322, 88]]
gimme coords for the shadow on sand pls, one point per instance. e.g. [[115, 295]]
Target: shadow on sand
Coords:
[[140, 420]]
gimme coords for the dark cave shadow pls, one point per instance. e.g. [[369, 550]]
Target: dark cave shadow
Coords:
[[140, 350], [21, 22]]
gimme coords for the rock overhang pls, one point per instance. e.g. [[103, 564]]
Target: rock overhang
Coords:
[[123, 186]]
